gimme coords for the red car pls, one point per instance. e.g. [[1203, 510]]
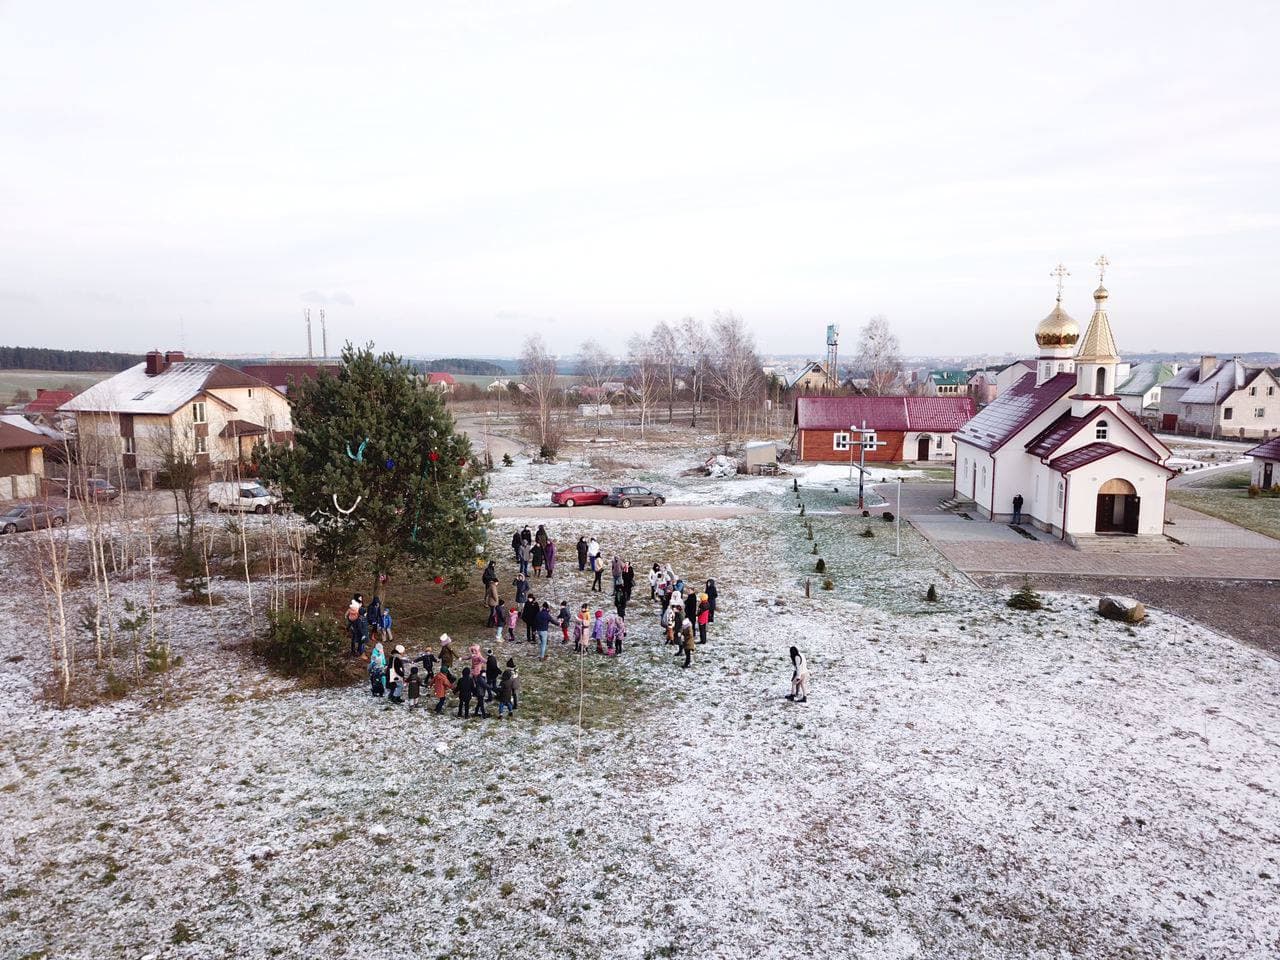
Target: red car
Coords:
[[579, 496]]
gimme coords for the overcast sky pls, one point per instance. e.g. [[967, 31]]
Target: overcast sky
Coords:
[[446, 177]]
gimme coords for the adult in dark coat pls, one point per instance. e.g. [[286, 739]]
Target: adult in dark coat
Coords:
[[691, 607], [466, 689], [515, 544], [490, 574], [538, 556], [711, 593], [492, 670], [582, 554], [541, 538], [620, 600], [530, 617], [628, 580]]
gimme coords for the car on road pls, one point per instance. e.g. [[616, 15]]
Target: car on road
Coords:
[[634, 496], [579, 495], [32, 516], [246, 496]]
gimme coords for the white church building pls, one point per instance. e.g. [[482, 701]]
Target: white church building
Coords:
[[1061, 440]]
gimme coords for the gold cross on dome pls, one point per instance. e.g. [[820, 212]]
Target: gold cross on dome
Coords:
[[1102, 263], [1061, 272]]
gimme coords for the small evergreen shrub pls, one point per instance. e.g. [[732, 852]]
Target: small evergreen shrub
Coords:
[[1026, 598], [932, 595], [507, 461], [820, 566], [828, 584], [301, 646], [867, 532]]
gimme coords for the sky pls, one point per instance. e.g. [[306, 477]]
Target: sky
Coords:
[[445, 178]]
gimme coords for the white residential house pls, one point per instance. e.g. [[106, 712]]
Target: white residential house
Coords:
[[209, 410], [1061, 440], [1222, 399], [1140, 392]]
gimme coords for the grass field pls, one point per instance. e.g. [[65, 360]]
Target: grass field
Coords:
[[11, 381], [1226, 500]]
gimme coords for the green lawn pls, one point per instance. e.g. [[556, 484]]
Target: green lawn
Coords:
[[1260, 514]]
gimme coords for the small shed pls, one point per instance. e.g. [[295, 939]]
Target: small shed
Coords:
[[1266, 464], [21, 461], [760, 456]]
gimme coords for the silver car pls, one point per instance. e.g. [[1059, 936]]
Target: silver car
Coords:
[[32, 516]]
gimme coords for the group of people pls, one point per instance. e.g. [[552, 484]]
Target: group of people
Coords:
[[402, 679], [367, 625], [685, 611]]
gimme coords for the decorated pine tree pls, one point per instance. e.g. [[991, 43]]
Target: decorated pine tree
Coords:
[[380, 470]]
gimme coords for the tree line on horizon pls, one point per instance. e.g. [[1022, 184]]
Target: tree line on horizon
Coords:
[[66, 361]]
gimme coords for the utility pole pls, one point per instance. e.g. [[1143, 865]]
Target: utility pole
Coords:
[[866, 441], [897, 522], [307, 313], [324, 336]]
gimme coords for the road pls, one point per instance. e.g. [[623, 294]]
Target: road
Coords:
[[668, 511]]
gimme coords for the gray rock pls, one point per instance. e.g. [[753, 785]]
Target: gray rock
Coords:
[[1122, 609]]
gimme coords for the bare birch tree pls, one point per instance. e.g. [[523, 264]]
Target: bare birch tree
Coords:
[[734, 370], [597, 366], [878, 355], [538, 373], [666, 352], [646, 373]]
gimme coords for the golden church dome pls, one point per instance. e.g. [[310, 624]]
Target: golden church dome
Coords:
[[1058, 329], [1100, 294]]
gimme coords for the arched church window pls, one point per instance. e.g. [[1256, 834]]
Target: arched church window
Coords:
[[1100, 432], [1101, 390]]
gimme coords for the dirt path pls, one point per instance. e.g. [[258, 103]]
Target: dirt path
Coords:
[[669, 511], [1244, 609]]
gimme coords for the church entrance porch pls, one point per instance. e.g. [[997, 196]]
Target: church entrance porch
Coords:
[[1118, 507], [922, 448]]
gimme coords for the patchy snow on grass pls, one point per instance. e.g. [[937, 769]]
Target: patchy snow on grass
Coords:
[[965, 781]]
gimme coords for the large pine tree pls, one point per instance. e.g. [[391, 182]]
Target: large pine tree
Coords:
[[376, 434]]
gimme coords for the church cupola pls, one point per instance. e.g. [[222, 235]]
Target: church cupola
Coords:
[[1056, 336], [1097, 356]]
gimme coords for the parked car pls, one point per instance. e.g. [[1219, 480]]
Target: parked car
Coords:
[[245, 496], [634, 497], [32, 516], [92, 488], [579, 495]]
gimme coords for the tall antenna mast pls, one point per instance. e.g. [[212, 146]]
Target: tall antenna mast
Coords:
[[324, 336], [307, 313], [833, 356]]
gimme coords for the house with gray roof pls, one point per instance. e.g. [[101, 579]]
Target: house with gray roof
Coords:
[[1227, 398], [1139, 393]]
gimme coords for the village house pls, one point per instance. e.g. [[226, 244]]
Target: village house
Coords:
[[812, 378], [1266, 464], [913, 428], [167, 403], [1221, 399], [946, 383], [1139, 393], [443, 382], [21, 460], [1061, 442]]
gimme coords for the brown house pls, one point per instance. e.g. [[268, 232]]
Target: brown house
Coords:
[[911, 428]]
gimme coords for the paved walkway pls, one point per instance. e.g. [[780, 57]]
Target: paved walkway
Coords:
[[1214, 549]]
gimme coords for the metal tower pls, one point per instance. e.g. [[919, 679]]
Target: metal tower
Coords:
[[833, 356]]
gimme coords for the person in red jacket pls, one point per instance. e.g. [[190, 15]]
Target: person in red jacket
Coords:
[[440, 687], [704, 615]]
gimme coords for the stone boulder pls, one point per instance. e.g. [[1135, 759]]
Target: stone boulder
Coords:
[[1122, 609]]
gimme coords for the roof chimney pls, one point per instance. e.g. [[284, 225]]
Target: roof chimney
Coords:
[[156, 363], [1207, 366], [174, 356]]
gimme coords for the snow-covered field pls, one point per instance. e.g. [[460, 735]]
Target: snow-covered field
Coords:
[[965, 781]]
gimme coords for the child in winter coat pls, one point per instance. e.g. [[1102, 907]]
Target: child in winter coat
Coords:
[[704, 616], [513, 617], [688, 641], [499, 621], [597, 631], [615, 629], [447, 654], [483, 693], [565, 618], [477, 660], [492, 670], [440, 687], [799, 677], [377, 667], [466, 691], [521, 583], [505, 693], [386, 625], [669, 623], [428, 661], [414, 688], [515, 682]]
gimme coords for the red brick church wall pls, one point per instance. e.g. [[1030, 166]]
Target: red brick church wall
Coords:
[[818, 446]]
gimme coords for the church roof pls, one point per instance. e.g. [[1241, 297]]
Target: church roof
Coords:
[[930, 414], [1091, 453], [1056, 434], [1009, 413], [1098, 344]]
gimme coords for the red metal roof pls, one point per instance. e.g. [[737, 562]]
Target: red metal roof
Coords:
[[283, 375], [1009, 413], [1267, 450], [440, 378], [1090, 453], [47, 401], [929, 414]]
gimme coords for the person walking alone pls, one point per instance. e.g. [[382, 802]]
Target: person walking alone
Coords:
[[799, 677]]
